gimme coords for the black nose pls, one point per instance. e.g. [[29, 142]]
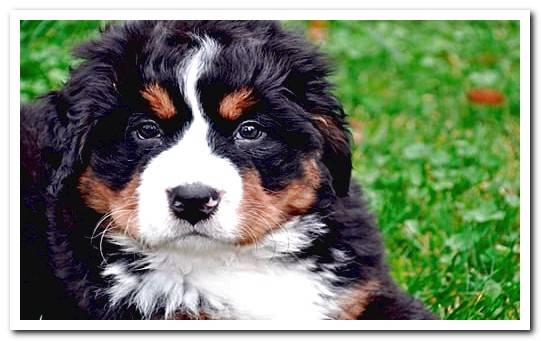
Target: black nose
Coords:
[[193, 202]]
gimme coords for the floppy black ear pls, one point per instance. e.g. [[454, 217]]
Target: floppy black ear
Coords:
[[89, 93], [66, 167], [64, 136], [336, 151]]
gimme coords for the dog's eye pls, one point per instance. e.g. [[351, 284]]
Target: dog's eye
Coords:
[[148, 130], [249, 131]]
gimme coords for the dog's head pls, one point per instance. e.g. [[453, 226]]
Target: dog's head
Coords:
[[217, 130]]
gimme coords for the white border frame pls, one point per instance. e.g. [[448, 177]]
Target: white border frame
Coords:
[[14, 237]]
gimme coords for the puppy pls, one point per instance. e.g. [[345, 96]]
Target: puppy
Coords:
[[197, 170]]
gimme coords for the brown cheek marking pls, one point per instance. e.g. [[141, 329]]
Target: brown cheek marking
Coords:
[[262, 211], [159, 100], [236, 103], [121, 204], [353, 303]]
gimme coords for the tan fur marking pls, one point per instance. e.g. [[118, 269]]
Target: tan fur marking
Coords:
[[262, 211], [159, 100], [236, 103], [122, 205], [331, 132], [353, 303]]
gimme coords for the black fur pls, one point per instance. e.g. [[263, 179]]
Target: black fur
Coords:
[[83, 124]]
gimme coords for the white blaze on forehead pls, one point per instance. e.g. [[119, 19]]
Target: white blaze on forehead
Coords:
[[189, 76], [191, 160]]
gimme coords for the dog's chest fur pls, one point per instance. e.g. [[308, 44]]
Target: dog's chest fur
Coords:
[[222, 282]]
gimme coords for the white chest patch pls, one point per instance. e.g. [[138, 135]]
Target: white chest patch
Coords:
[[226, 282]]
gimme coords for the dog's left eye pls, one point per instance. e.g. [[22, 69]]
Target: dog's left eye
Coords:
[[249, 131], [148, 130]]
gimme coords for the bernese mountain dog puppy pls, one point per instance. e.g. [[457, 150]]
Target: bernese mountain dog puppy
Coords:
[[197, 170]]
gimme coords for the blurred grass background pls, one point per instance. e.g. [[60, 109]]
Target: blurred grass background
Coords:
[[434, 112]]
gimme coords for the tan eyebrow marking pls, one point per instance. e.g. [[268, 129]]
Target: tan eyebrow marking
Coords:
[[233, 105], [159, 100]]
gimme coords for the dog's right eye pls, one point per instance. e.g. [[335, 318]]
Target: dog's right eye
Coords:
[[148, 130]]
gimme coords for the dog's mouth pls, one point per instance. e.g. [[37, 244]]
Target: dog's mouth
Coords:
[[194, 234]]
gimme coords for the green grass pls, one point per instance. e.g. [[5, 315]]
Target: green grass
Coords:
[[441, 173]]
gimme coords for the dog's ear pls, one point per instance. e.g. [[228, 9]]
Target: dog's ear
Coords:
[[67, 165], [336, 151], [65, 135]]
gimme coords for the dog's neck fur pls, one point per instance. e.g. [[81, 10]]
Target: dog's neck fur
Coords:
[[199, 278]]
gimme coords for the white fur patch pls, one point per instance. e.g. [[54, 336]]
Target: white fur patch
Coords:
[[226, 281]]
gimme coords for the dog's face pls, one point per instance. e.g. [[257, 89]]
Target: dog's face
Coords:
[[197, 132]]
